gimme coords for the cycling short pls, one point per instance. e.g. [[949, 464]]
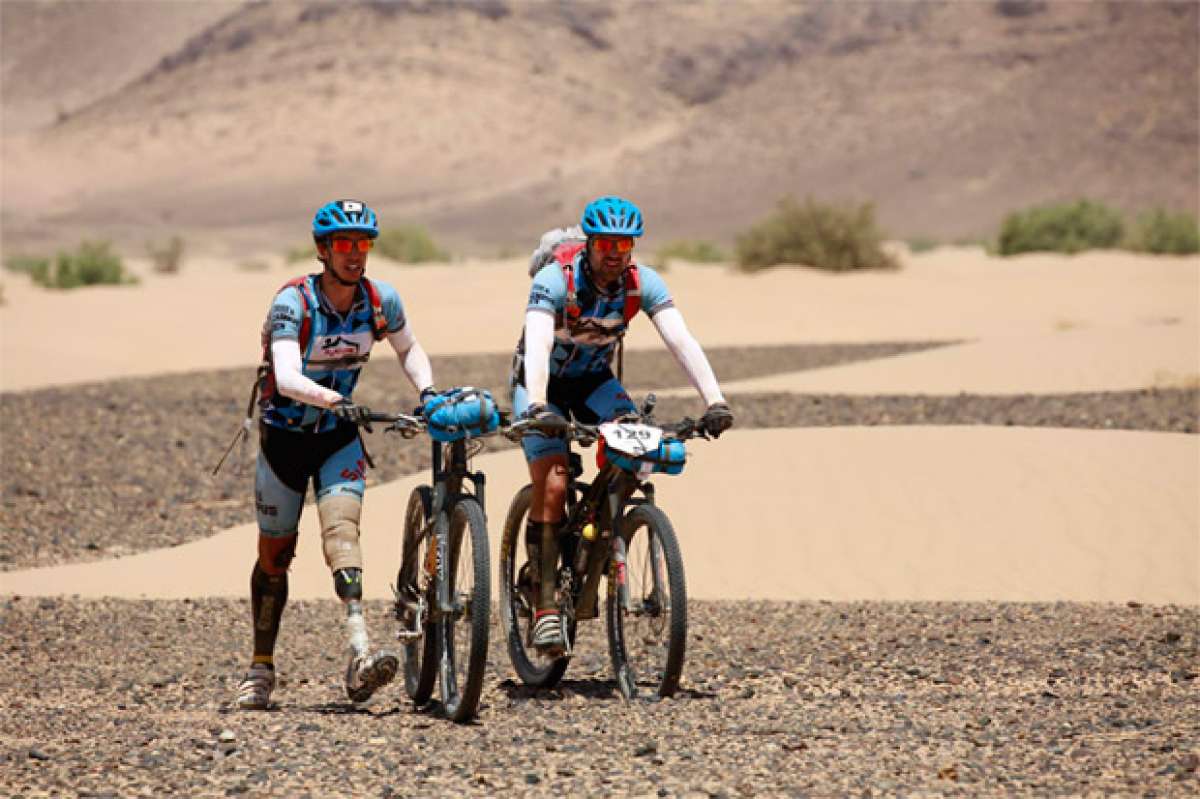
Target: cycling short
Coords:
[[589, 399], [287, 460]]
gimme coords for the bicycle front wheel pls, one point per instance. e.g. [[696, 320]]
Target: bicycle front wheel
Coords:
[[413, 585], [517, 602], [463, 629], [646, 607]]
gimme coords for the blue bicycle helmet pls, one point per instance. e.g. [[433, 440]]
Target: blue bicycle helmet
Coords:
[[343, 215], [611, 216]]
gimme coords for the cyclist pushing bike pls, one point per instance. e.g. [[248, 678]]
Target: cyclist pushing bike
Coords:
[[316, 338], [583, 297]]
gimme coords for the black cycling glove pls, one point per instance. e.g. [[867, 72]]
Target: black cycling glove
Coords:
[[717, 419], [347, 411]]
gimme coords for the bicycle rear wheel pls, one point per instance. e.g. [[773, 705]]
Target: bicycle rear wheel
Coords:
[[463, 632], [646, 608], [414, 583], [517, 603]]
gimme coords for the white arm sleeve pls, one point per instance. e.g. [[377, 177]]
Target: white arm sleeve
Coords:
[[687, 352], [290, 380], [413, 359], [539, 340]]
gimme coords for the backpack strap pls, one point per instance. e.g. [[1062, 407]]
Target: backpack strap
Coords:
[[565, 254], [264, 384], [378, 320], [633, 292]]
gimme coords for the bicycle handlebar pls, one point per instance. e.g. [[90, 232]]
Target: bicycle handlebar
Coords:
[[587, 434]]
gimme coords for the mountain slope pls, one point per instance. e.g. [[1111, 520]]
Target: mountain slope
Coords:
[[493, 120]]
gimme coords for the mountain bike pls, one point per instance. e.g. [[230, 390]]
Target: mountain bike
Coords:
[[442, 591], [614, 532]]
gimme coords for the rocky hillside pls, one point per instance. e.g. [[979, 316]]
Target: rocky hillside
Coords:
[[490, 120]]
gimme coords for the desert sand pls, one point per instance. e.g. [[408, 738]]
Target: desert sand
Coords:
[[962, 513], [950, 294], [954, 513]]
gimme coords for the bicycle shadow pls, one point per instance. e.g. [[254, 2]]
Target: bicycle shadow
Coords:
[[382, 710], [593, 688]]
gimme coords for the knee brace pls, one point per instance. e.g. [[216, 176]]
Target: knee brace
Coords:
[[339, 531], [348, 584], [275, 553]]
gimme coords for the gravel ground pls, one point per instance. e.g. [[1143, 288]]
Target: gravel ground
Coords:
[[101, 470], [812, 699]]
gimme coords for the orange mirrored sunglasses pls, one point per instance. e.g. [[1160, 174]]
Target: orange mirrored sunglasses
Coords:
[[347, 245], [621, 244]]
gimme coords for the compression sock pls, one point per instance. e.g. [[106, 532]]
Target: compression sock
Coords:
[[268, 595], [549, 566]]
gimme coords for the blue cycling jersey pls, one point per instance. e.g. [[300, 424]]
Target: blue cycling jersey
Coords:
[[588, 346], [338, 345]]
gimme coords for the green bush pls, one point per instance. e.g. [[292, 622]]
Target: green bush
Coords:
[[92, 263], [921, 244], [838, 238], [26, 264], [301, 252], [167, 258], [698, 252], [409, 244], [1066, 227], [1163, 232]]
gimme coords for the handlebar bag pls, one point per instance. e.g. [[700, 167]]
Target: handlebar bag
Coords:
[[668, 458], [461, 413]]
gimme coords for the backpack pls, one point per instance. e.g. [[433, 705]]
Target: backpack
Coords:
[[561, 245], [264, 378]]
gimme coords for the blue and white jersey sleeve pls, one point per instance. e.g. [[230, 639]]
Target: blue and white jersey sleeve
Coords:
[[393, 308], [655, 296], [286, 316], [549, 290]]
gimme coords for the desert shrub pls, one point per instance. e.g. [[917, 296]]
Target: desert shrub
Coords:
[[1160, 231], [27, 264], [838, 238], [167, 257], [700, 252], [253, 265], [1065, 227], [921, 244], [1019, 8], [92, 263], [409, 244], [301, 252]]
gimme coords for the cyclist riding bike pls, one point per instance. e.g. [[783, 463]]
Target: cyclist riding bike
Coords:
[[577, 313], [316, 338]]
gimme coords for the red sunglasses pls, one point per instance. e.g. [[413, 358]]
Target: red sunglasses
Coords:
[[347, 245], [621, 244]]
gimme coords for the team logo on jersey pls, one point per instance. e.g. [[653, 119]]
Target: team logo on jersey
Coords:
[[592, 331], [338, 346]]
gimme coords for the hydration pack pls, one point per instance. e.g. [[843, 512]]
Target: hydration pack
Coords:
[[264, 383], [561, 245], [264, 378]]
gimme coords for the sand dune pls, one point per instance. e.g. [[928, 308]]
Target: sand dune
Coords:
[[1106, 359], [209, 316], [841, 514]]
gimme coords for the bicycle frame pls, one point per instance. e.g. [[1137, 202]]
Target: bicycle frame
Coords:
[[602, 505], [447, 484]]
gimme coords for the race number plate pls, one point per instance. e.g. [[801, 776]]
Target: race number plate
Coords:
[[632, 438]]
